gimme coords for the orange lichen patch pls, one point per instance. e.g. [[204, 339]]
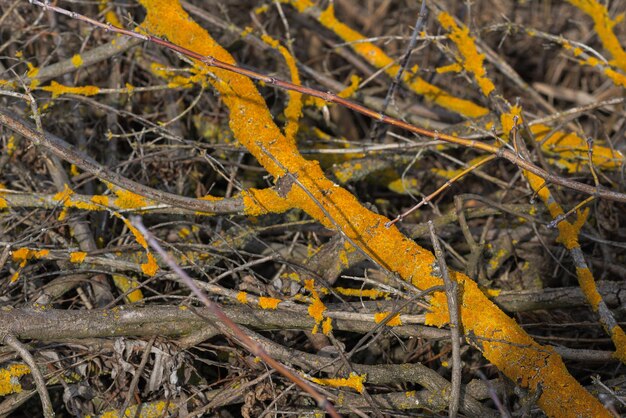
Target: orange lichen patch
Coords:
[[10, 378], [452, 68], [129, 200], [59, 89], [404, 185], [603, 26], [492, 293], [77, 256], [150, 267], [32, 70], [63, 195], [327, 326], [355, 382], [569, 232], [503, 342], [316, 308], [261, 9], [10, 148], [352, 88], [344, 254], [293, 111], [619, 339], [377, 57], [100, 200], [145, 410], [110, 16], [242, 297], [77, 60], [511, 119], [3, 202], [588, 286], [268, 303], [263, 201], [618, 78], [471, 60], [438, 314], [129, 286], [175, 80], [573, 149], [22, 255], [393, 322], [362, 293], [141, 240]]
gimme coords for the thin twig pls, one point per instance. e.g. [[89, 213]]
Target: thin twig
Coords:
[[455, 330], [133, 383], [40, 382], [421, 17]]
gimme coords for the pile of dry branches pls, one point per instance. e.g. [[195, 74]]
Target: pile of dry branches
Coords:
[[402, 207]]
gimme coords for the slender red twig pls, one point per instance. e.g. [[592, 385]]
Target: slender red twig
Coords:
[[210, 61]]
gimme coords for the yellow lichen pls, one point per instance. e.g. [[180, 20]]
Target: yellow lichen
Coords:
[[10, 145], [619, 339], [77, 60], [129, 286], [150, 267], [258, 202], [100, 200], [471, 60], [568, 232], [10, 378], [588, 286], [362, 293], [22, 255], [63, 195], [377, 58], [603, 26], [511, 119], [293, 111], [127, 199], [327, 326], [573, 149], [268, 303], [316, 308], [146, 410], [352, 88], [492, 293], [77, 256], [618, 78], [32, 70], [382, 316], [355, 382], [110, 16], [438, 314], [455, 68], [242, 297], [404, 185], [59, 89]]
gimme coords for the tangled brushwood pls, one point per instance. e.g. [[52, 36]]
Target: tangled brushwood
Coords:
[[300, 207]]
